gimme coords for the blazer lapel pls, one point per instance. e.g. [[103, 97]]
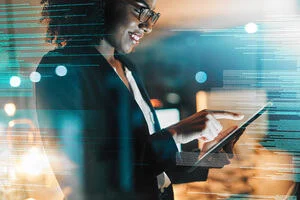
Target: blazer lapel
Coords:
[[97, 58], [141, 87]]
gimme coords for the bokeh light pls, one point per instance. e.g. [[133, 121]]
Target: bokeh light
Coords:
[[61, 70], [35, 77], [15, 81], [156, 103], [11, 124], [10, 109], [201, 77], [32, 162], [173, 98], [251, 28]]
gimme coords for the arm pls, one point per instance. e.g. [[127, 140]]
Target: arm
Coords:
[[177, 172], [204, 125], [183, 132]]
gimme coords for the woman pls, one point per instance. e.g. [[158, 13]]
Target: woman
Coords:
[[100, 90]]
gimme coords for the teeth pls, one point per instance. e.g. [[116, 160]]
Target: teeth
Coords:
[[135, 37]]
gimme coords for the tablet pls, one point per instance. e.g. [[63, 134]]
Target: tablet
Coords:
[[217, 147]]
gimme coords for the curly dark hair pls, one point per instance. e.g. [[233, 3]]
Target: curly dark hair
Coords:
[[73, 20]]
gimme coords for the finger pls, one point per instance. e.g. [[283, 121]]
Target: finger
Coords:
[[212, 131], [204, 139], [207, 133], [225, 133], [228, 148], [216, 125], [225, 156], [237, 137], [227, 115], [240, 132]]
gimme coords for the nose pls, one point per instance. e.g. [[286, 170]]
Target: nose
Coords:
[[146, 26]]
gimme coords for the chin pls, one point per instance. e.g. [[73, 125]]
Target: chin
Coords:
[[125, 50]]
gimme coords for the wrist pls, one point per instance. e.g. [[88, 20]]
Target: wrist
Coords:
[[172, 130], [174, 134]]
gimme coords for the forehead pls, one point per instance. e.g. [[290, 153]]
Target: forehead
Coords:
[[149, 3]]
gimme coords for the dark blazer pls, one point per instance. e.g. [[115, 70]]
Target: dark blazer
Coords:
[[121, 159]]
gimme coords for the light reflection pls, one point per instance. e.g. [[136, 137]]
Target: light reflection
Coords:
[[251, 28], [32, 162], [173, 98], [28, 165], [10, 109], [35, 77], [156, 103], [15, 81], [61, 70]]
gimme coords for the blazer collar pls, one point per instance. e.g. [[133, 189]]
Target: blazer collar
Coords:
[[140, 85]]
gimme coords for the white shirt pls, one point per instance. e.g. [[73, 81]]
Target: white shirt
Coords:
[[162, 179]]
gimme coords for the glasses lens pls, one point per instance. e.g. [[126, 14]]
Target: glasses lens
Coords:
[[145, 15], [155, 18]]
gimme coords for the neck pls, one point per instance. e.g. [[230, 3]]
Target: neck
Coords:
[[106, 50]]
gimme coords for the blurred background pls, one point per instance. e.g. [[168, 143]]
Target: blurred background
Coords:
[[231, 55]]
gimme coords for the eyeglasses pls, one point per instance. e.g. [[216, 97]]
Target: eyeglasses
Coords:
[[145, 13]]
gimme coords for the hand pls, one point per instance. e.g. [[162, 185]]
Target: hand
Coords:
[[218, 160], [228, 148], [203, 124]]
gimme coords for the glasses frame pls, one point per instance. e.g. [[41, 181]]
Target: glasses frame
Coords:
[[140, 9], [151, 16]]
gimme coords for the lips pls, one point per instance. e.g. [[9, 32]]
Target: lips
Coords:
[[135, 37]]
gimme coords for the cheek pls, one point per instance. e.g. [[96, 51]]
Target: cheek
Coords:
[[125, 43], [118, 29], [122, 26]]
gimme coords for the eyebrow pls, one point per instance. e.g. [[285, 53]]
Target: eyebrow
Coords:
[[143, 2]]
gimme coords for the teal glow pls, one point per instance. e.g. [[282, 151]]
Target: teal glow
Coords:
[[201, 77]]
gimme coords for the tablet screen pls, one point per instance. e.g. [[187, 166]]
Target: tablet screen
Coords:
[[217, 147]]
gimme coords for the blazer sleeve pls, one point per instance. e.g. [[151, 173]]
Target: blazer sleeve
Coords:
[[166, 151]]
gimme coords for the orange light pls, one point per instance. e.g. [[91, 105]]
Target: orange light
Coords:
[[201, 100], [156, 103]]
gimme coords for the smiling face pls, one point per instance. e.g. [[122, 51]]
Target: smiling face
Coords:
[[123, 28]]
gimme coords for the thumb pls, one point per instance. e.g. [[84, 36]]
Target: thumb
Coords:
[[225, 133]]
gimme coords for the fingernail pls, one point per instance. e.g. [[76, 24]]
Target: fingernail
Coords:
[[239, 117]]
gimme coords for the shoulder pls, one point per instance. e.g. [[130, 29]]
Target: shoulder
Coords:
[[58, 68], [52, 59], [68, 57], [69, 54]]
